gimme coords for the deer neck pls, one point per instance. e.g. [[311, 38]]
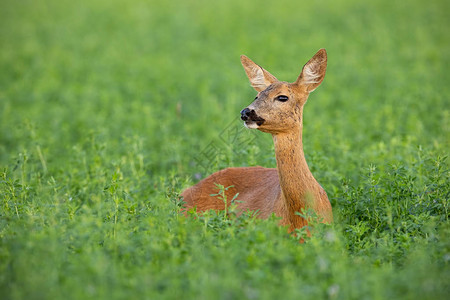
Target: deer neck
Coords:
[[297, 183]]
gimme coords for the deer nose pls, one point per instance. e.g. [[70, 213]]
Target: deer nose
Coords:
[[246, 113]]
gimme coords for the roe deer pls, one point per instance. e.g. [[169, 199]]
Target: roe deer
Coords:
[[290, 188]]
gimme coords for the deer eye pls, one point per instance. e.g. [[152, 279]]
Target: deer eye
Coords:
[[282, 98]]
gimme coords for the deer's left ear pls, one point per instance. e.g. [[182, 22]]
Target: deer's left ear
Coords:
[[313, 71], [259, 78]]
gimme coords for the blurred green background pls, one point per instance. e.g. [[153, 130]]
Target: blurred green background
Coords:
[[107, 107]]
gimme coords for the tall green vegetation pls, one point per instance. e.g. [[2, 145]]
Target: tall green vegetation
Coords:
[[109, 109]]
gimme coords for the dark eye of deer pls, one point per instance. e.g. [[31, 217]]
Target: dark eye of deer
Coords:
[[282, 98]]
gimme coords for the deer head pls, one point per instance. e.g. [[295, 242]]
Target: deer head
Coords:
[[278, 106]]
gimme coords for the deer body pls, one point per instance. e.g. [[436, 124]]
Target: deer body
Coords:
[[291, 187]]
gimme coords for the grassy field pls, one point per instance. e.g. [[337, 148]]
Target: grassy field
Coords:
[[109, 109]]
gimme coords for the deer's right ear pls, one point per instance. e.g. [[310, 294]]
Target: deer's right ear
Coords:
[[313, 71], [259, 78]]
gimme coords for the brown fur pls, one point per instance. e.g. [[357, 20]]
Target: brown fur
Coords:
[[290, 187]]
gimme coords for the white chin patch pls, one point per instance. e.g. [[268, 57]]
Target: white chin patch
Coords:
[[251, 125]]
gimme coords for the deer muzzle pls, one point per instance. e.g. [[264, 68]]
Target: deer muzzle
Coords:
[[249, 115]]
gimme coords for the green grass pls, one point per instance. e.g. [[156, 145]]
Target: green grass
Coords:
[[106, 107]]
